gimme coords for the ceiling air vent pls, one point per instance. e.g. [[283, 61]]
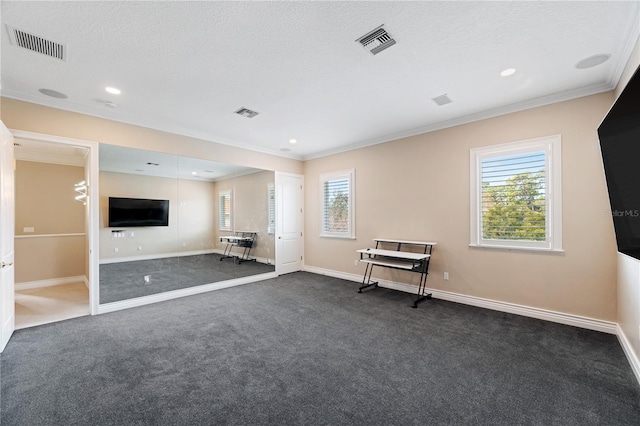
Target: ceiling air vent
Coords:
[[246, 112], [36, 44], [377, 40]]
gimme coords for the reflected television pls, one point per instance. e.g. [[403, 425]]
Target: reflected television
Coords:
[[137, 212]]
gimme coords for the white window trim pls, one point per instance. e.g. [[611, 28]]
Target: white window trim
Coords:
[[348, 174], [220, 195], [551, 145]]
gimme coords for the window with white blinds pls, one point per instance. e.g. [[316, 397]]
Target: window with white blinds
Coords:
[[271, 203], [224, 215], [515, 195], [337, 204]]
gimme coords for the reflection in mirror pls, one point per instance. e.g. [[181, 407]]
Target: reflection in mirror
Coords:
[[209, 204]]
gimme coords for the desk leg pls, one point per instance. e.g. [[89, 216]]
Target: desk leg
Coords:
[[366, 281], [245, 256], [227, 252], [421, 291]]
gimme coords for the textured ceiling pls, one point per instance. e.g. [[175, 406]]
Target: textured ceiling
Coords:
[[185, 67]]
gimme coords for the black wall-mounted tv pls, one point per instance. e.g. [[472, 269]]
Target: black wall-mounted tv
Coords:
[[619, 136], [134, 212]]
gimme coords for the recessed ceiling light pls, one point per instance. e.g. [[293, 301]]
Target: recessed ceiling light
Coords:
[[53, 93], [508, 72], [293, 141], [593, 61], [194, 173], [112, 90]]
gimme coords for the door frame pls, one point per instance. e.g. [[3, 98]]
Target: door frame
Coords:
[[278, 177], [93, 204]]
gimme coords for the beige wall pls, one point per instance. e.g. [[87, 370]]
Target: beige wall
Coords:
[[629, 278], [19, 115], [418, 188], [45, 201], [197, 215], [251, 210], [48, 258], [45, 198], [152, 240]]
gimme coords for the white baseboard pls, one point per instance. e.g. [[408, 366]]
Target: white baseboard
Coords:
[[512, 308], [175, 254], [161, 297], [27, 285], [156, 256], [629, 352]]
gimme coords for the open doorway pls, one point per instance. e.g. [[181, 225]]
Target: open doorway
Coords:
[[51, 244]]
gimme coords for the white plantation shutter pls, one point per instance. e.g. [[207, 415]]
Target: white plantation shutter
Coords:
[[514, 198], [337, 204], [224, 215], [271, 202], [516, 195]]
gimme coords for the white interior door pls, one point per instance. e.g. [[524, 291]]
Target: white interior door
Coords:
[[289, 222], [7, 213]]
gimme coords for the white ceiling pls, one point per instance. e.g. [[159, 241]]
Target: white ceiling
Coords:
[[185, 67]]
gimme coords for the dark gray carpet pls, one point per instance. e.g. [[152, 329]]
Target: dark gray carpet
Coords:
[[125, 280], [308, 349]]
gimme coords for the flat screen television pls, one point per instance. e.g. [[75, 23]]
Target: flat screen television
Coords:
[[134, 212], [619, 135]]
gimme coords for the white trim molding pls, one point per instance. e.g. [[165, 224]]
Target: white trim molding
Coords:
[[25, 236], [629, 352], [157, 256], [265, 260], [28, 285], [512, 308]]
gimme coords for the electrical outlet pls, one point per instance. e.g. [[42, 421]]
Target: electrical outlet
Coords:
[[446, 276], [139, 248], [28, 229], [147, 279], [115, 249], [355, 262]]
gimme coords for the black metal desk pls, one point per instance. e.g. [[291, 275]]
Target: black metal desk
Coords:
[[414, 261], [241, 239]]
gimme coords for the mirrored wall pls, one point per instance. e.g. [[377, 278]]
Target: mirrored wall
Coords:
[[169, 222]]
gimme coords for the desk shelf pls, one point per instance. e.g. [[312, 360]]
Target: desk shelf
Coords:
[[413, 261]]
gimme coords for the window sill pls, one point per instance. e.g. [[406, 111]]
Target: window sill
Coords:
[[515, 248], [340, 237]]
